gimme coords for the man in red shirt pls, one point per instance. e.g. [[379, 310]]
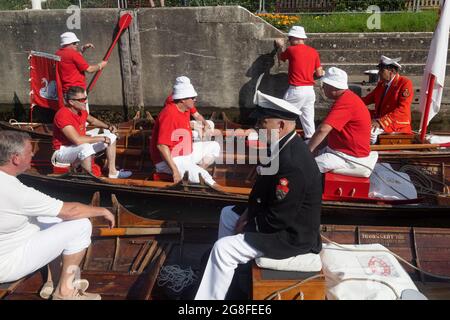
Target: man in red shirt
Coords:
[[171, 147], [392, 97], [304, 63], [347, 127], [70, 142], [73, 66]]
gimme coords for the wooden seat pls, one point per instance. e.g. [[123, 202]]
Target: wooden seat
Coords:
[[265, 282]]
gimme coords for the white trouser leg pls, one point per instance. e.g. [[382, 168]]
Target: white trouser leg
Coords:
[[327, 161], [67, 237], [374, 133], [205, 149], [303, 98], [225, 256]]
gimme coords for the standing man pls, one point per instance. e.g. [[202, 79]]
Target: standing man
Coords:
[[282, 218], [171, 147], [25, 244], [73, 66], [304, 64], [73, 146], [347, 127], [392, 96]]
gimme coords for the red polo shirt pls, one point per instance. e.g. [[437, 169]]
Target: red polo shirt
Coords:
[[72, 68], [351, 124], [172, 128], [64, 117], [303, 62]]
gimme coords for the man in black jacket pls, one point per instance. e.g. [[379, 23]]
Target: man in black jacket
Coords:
[[282, 218]]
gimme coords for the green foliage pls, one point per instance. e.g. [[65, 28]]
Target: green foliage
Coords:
[[385, 5], [357, 22]]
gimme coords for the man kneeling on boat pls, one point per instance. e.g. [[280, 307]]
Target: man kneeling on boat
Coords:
[[347, 127], [26, 243], [172, 150], [71, 143], [282, 218]]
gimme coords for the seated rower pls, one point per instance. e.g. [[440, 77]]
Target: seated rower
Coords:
[[171, 148], [282, 218], [392, 97], [26, 244], [347, 127], [73, 146]]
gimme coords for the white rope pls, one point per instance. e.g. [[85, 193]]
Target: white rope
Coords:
[[176, 278]]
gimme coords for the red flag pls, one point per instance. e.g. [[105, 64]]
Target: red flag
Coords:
[[45, 84]]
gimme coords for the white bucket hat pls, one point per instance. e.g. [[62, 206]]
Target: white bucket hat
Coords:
[[68, 38], [297, 32], [336, 77], [182, 90], [182, 79]]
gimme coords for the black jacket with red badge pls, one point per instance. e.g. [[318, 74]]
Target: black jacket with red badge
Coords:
[[284, 208]]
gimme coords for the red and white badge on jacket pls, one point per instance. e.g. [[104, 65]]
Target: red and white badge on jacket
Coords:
[[282, 188]]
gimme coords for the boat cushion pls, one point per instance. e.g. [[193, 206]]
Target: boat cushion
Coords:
[[309, 262], [356, 170], [363, 272]]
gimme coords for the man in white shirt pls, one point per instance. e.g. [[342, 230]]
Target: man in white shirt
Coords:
[[26, 245]]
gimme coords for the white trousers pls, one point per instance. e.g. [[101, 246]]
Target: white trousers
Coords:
[[188, 163], [228, 251], [67, 237], [341, 163], [71, 154], [374, 133], [303, 98]]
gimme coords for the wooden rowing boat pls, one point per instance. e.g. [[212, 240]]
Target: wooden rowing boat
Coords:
[[235, 181], [121, 263]]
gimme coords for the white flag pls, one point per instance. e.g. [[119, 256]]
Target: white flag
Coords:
[[436, 64]]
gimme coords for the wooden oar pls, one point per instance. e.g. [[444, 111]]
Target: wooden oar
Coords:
[[408, 146], [124, 22], [113, 232]]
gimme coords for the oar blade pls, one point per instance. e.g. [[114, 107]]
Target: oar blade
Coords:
[[125, 21]]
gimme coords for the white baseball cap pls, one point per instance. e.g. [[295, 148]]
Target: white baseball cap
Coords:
[[297, 32], [68, 38], [388, 61], [271, 107], [336, 77], [183, 89]]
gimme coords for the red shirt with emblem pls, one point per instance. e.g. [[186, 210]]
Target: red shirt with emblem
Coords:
[[72, 68], [172, 128], [170, 100], [351, 124], [303, 62], [65, 117]]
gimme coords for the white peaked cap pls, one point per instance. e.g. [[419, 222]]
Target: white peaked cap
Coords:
[[336, 77], [68, 38], [182, 79], [182, 90], [388, 61], [297, 32], [274, 107]]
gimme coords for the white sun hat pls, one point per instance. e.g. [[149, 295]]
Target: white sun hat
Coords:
[[182, 79], [68, 38], [182, 90], [336, 77], [297, 32]]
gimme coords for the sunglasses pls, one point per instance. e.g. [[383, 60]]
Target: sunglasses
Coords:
[[82, 100]]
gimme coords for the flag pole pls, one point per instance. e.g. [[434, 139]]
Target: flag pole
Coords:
[[423, 131]]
